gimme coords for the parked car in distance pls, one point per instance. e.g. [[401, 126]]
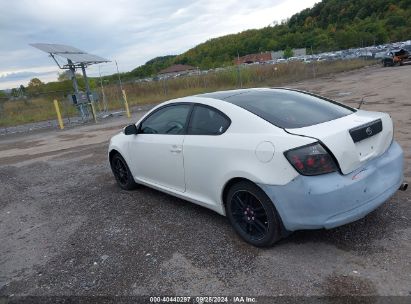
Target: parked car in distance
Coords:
[[271, 160], [396, 57]]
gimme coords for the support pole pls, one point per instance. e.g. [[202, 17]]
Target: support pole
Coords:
[[126, 103], [118, 74], [88, 92], [313, 62], [240, 81], [94, 111], [102, 91], [60, 120], [72, 69], [73, 75]]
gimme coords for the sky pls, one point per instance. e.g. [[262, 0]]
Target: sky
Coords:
[[128, 31]]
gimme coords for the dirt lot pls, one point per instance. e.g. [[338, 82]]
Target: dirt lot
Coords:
[[67, 229]]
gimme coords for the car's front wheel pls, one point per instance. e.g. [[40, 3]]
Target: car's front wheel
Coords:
[[252, 214], [122, 173]]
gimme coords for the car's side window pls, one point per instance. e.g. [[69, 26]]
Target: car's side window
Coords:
[[207, 121], [168, 120]]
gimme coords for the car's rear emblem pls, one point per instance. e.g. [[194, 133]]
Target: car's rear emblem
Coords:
[[368, 131]]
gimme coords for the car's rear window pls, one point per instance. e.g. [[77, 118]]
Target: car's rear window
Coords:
[[289, 109]]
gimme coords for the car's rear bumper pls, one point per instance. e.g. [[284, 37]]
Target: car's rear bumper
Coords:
[[331, 200]]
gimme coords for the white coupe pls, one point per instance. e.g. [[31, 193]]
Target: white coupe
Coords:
[[271, 160]]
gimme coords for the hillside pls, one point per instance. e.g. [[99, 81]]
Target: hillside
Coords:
[[154, 65], [329, 25]]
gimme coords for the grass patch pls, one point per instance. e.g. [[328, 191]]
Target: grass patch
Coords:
[[16, 112]]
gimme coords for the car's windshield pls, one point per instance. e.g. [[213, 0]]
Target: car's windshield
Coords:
[[289, 109]]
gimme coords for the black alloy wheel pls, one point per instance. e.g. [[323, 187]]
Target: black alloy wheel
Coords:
[[122, 173], [252, 214]]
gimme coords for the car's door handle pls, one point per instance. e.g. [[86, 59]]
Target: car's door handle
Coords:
[[176, 149]]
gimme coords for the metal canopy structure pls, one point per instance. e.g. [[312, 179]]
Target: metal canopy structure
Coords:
[[76, 58]]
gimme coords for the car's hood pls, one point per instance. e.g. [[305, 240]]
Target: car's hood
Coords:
[[353, 139]]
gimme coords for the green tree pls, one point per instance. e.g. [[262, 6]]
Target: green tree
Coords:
[[14, 92], [22, 90], [35, 82], [66, 75], [63, 76], [35, 86], [288, 52]]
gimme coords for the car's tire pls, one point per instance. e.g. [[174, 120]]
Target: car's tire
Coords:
[[253, 215], [122, 172]]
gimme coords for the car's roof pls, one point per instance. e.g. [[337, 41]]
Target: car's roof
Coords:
[[283, 107], [224, 95]]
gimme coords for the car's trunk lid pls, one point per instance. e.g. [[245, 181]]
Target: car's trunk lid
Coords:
[[353, 139]]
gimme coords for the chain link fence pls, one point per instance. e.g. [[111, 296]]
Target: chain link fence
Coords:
[[19, 114]]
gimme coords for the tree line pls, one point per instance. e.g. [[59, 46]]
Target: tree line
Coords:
[[63, 86], [329, 25]]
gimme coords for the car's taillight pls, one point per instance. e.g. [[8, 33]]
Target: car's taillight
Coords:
[[312, 159]]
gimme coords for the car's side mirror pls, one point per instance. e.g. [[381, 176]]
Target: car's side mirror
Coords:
[[131, 130]]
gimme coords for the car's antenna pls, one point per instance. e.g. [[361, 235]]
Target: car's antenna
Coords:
[[361, 102]]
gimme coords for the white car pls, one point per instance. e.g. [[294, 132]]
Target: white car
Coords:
[[271, 160]]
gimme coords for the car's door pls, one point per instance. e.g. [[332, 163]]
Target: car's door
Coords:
[[205, 152], [157, 151]]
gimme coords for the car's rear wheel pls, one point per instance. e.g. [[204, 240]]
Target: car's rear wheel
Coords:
[[252, 214], [122, 173]]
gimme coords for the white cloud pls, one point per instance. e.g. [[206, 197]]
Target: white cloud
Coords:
[[131, 32]]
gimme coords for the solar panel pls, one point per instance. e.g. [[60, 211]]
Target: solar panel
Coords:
[[56, 48], [83, 58], [74, 54]]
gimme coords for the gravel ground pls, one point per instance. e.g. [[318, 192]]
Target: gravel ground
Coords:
[[67, 229]]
